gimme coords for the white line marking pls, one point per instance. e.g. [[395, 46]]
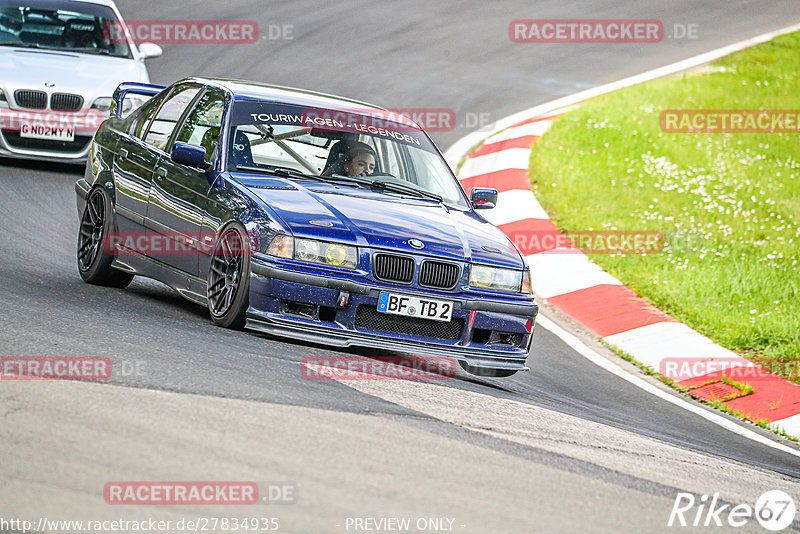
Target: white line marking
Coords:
[[535, 128], [606, 364], [790, 425], [513, 158], [557, 273], [654, 343], [515, 205]]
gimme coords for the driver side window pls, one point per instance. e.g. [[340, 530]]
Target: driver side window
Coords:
[[146, 113], [202, 126], [168, 116]]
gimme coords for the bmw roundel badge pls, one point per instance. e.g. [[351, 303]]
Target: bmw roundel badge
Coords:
[[416, 243]]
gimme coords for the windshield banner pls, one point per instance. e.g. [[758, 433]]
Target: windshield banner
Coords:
[[377, 123]]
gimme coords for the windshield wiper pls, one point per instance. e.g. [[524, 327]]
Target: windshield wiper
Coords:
[[293, 173], [394, 187], [388, 186], [355, 180], [89, 51], [401, 188], [284, 172]]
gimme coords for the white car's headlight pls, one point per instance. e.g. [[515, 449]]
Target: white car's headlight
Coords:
[[103, 103], [131, 103], [313, 251], [483, 277]]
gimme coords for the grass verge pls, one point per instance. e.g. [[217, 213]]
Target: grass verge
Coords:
[[727, 204]]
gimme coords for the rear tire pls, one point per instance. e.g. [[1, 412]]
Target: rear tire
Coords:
[[94, 260], [486, 372], [229, 278]]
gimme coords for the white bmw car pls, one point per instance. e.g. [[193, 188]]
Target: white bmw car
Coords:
[[59, 67]]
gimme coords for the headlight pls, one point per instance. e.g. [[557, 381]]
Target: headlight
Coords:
[[130, 104], [313, 251], [483, 277], [103, 103]]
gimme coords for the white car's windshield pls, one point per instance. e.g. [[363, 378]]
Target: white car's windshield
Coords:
[[354, 144], [61, 25]]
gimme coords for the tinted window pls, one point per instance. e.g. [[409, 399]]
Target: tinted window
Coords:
[[164, 123], [147, 112], [203, 124]]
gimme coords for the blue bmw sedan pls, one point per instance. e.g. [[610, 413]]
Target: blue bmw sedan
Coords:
[[306, 216]]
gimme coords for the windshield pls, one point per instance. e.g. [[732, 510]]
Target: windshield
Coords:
[[60, 25], [360, 145]]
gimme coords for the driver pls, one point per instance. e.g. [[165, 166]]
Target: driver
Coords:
[[358, 160]]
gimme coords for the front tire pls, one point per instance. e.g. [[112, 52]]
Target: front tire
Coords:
[[94, 260], [229, 278], [486, 372]]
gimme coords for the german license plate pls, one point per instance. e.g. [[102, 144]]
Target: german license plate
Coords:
[[51, 132], [424, 308]]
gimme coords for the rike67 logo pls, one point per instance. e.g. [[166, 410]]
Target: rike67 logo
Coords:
[[774, 510]]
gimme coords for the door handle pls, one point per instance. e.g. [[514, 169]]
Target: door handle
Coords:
[[123, 154], [161, 172]]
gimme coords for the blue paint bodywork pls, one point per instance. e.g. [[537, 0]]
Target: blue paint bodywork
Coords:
[[303, 300]]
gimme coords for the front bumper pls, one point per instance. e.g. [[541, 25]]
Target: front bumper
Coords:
[[308, 307], [13, 146]]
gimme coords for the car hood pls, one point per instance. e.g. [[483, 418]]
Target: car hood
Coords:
[[385, 221], [88, 75]]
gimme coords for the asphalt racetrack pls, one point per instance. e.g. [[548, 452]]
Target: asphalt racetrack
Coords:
[[566, 447]]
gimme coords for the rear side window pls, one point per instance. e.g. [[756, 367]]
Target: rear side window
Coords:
[[163, 124], [203, 124], [145, 115]]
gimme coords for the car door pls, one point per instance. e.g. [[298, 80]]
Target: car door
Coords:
[[179, 194], [134, 163]]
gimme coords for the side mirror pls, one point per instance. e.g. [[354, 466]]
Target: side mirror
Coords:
[[149, 50], [190, 155], [483, 198]]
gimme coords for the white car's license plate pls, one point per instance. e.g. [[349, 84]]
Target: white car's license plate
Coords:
[[424, 308], [51, 132]]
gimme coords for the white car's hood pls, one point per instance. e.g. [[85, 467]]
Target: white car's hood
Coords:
[[91, 76]]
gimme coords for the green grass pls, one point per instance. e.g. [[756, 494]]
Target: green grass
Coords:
[[727, 204]]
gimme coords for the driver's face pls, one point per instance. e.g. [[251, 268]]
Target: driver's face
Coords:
[[364, 162]]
